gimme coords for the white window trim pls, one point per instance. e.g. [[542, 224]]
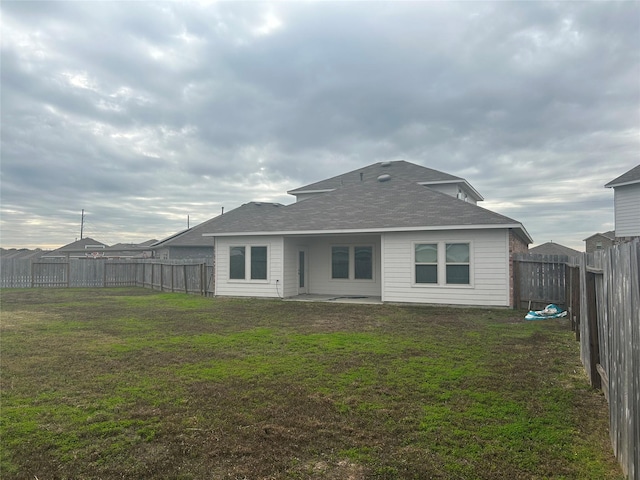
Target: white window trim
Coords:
[[413, 268], [442, 265], [352, 263], [247, 263]]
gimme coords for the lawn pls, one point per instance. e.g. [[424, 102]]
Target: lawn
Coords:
[[132, 383]]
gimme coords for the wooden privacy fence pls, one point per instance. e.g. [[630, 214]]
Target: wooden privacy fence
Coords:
[[167, 275], [609, 332], [601, 293], [539, 280]]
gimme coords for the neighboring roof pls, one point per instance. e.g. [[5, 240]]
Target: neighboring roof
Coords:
[[131, 246], [393, 205], [79, 245], [611, 235], [551, 248], [628, 178], [398, 169], [21, 253]]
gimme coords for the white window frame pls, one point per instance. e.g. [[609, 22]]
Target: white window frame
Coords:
[[442, 264], [446, 263], [415, 263], [247, 263], [351, 276]]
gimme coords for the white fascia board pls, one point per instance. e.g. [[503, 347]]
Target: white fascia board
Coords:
[[372, 230], [462, 180], [623, 184], [298, 192]]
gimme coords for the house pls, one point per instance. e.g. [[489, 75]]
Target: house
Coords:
[[83, 248], [21, 253], [599, 241], [626, 204], [552, 248], [130, 250], [393, 230], [88, 248]]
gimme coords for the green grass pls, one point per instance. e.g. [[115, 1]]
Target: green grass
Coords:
[[131, 383]]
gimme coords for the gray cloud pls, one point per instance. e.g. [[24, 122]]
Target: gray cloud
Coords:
[[144, 113]]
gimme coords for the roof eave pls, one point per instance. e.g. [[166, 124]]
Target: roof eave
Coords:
[[621, 184], [298, 192], [374, 230]]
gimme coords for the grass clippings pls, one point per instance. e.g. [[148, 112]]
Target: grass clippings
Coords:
[[132, 383]]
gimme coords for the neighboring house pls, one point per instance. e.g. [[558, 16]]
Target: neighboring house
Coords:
[[599, 241], [88, 248], [552, 248], [130, 250], [393, 230], [21, 253], [83, 248], [626, 204]]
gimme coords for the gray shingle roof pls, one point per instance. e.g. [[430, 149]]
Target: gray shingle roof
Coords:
[[611, 235], [243, 216], [394, 204], [79, 245], [632, 176], [551, 248], [398, 169]]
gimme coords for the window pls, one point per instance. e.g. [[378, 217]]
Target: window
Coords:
[[352, 262], [426, 258], [363, 257], [254, 258], [236, 263], [258, 263], [339, 262], [457, 260]]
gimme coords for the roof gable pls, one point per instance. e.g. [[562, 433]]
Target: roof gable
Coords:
[[611, 235], [81, 244], [551, 248], [398, 169], [628, 178]]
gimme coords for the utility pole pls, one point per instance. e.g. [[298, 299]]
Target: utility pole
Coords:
[[82, 224]]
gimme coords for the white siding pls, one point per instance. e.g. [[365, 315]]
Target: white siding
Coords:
[[627, 210], [271, 287], [304, 196], [453, 189], [290, 277], [489, 269]]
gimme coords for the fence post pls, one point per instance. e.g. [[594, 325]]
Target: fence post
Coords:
[[184, 274], [592, 327], [202, 279], [516, 282]]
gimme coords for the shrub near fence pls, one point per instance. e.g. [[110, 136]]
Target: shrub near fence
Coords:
[[187, 276]]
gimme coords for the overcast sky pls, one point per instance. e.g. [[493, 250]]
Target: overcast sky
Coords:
[[145, 114]]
